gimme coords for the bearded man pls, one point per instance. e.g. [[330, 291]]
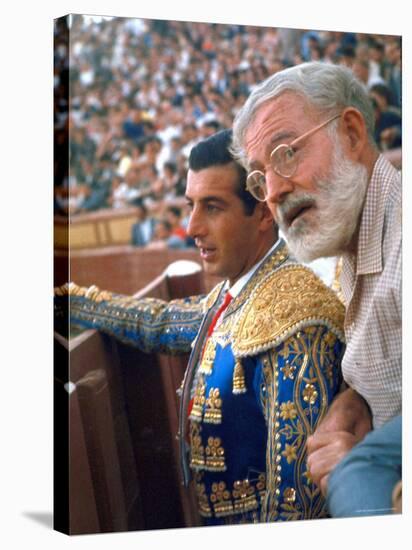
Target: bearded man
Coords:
[[305, 135]]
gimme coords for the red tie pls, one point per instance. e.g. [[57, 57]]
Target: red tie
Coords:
[[218, 313]]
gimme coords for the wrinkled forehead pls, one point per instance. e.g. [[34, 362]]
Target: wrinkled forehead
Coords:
[[277, 120]]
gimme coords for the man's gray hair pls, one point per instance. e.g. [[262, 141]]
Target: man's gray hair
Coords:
[[326, 87]]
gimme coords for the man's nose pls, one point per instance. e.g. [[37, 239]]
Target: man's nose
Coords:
[[278, 187], [196, 226]]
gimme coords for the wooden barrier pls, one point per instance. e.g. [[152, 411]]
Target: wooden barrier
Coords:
[[116, 418], [121, 269], [106, 227]]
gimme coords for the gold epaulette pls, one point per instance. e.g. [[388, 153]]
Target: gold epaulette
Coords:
[[288, 299], [92, 292]]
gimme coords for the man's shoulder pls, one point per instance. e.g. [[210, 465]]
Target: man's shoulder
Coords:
[[391, 180], [286, 300], [394, 197], [388, 181]]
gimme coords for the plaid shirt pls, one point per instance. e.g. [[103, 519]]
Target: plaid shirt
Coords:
[[371, 288]]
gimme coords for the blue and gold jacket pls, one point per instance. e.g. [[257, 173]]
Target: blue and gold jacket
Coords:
[[252, 392]]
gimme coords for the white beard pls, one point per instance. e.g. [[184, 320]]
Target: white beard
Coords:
[[338, 204]]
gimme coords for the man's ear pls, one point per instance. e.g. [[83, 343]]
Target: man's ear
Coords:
[[355, 134], [266, 218]]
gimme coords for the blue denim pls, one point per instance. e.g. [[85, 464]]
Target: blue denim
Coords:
[[362, 483]]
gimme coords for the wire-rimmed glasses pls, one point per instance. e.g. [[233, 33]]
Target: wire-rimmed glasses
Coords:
[[283, 161]]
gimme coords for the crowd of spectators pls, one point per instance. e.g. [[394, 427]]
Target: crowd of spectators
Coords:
[[143, 92]]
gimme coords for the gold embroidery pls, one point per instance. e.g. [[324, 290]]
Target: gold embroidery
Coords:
[[223, 334], [220, 497], [289, 453], [330, 339], [203, 503], [263, 396], [330, 373], [290, 511], [197, 450], [313, 492], [261, 486], [208, 358], [239, 383], [215, 455], [288, 411], [327, 352], [213, 411], [311, 374], [310, 394], [270, 501], [288, 370], [244, 496], [289, 494], [285, 353], [92, 292], [289, 299], [308, 477], [198, 400], [291, 421]]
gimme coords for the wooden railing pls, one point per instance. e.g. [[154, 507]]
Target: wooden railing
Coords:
[[121, 269], [105, 227], [116, 418]]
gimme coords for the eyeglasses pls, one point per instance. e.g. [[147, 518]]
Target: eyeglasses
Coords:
[[283, 161]]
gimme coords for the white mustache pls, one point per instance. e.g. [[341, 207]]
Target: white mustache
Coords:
[[291, 202]]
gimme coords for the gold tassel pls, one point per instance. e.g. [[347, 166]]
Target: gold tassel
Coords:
[[199, 400], [197, 450], [208, 358], [215, 455], [213, 412], [239, 383]]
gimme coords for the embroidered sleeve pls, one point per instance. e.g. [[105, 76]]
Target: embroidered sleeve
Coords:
[[149, 324], [302, 375]]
